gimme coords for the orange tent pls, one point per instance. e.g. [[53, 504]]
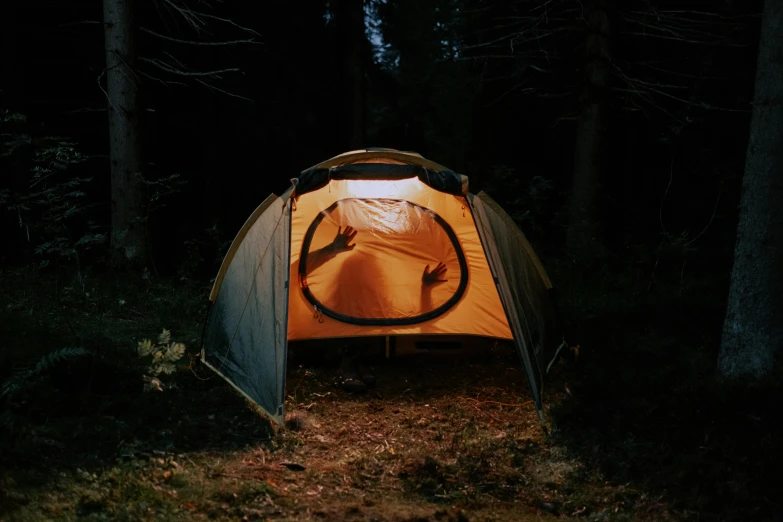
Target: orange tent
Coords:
[[374, 243]]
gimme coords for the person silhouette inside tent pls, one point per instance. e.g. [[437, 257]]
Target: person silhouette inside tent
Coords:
[[354, 376]]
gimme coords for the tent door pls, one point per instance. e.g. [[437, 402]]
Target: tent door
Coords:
[[512, 273], [246, 337]]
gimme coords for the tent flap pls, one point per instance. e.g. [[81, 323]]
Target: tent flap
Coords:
[[523, 288], [246, 335]]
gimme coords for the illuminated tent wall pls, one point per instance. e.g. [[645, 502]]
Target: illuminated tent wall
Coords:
[[275, 286]]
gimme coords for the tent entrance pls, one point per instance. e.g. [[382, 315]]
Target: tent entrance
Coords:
[[379, 281], [402, 226]]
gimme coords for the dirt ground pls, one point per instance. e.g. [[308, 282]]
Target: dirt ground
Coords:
[[438, 438]]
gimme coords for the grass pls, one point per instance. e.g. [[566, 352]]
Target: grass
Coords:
[[639, 430]]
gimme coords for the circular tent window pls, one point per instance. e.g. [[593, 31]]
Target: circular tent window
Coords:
[[379, 280]]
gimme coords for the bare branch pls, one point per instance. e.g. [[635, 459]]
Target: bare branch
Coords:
[[195, 18], [637, 81], [702, 105], [127, 66], [644, 93], [164, 82], [567, 117], [696, 13], [682, 39], [521, 37], [188, 15], [714, 210], [644, 90], [231, 22], [174, 58], [209, 86], [654, 67], [516, 56], [100, 86], [173, 70], [196, 42], [519, 90]]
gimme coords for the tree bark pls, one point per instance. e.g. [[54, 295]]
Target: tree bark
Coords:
[[753, 327], [128, 201], [592, 125]]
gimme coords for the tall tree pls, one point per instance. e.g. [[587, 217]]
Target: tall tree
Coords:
[[428, 107], [349, 21], [592, 125], [128, 237], [753, 327], [126, 69]]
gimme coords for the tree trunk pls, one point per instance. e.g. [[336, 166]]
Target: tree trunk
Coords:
[[349, 15], [12, 85], [753, 327], [128, 208], [591, 131]]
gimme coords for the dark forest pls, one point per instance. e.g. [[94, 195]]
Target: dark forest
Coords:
[[638, 145]]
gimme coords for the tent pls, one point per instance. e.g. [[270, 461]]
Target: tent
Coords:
[[419, 256]]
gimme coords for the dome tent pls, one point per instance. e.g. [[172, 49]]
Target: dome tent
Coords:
[[282, 281]]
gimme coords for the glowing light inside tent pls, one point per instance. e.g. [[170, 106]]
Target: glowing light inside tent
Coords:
[[384, 215], [370, 189]]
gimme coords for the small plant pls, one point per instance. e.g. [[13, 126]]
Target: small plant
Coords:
[[163, 357], [51, 206]]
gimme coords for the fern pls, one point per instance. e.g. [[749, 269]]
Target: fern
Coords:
[[25, 378], [163, 356]]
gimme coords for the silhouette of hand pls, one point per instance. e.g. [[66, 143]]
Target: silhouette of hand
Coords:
[[343, 239], [434, 277]]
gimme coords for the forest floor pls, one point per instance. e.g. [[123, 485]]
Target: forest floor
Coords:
[[638, 431]]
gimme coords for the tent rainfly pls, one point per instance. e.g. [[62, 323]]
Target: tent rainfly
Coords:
[[288, 276]]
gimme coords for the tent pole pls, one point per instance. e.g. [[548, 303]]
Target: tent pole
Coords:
[[388, 347]]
